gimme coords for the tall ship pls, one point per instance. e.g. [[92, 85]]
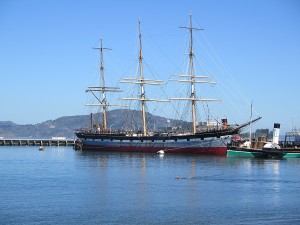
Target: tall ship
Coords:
[[211, 141]]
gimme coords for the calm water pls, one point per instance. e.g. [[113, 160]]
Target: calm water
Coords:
[[63, 186]]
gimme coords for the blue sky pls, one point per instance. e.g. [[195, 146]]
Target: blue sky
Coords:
[[47, 60]]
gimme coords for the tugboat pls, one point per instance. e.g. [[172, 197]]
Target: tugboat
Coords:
[[263, 149]]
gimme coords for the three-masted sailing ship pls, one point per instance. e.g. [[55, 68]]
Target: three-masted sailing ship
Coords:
[[212, 142]]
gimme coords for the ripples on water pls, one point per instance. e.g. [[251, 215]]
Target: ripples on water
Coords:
[[63, 186]]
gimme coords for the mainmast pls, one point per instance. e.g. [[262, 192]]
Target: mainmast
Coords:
[[102, 88], [192, 79], [103, 85], [191, 56], [142, 82]]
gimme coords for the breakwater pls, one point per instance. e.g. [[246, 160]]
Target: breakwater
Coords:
[[36, 142]]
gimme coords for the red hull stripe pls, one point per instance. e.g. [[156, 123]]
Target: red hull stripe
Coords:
[[199, 150]]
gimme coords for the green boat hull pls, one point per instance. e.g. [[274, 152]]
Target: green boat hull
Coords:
[[251, 153], [291, 155], [245, 154]]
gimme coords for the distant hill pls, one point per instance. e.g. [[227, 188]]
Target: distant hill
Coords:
[[65, 126], [61, 127]]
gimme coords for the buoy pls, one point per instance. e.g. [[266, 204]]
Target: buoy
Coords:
[[41, 148], [161, 152]]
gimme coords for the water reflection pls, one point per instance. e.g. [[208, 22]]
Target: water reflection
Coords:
[[121, 188], [264, 173], [196, 173]]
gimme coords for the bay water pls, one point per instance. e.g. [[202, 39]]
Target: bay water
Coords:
[[64, 186]]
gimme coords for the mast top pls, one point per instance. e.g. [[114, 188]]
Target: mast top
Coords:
[[190, 27], [101, 48]]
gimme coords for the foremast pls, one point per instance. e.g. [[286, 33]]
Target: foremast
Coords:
[[192, 79], [102, 88], [142, 82]]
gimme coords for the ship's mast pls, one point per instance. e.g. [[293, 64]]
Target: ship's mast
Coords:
[[250, 134], [103, 85], [142, 82], [192, 79], [191, 56], [102, 88]]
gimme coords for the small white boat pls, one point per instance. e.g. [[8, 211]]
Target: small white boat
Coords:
[[161, 152], [41, 148]]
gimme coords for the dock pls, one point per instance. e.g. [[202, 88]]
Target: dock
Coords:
[[36, 142]]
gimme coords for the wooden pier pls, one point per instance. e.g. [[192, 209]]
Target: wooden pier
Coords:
[[36, 142]]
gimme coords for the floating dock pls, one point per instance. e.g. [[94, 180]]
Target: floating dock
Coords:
[[36, 142]]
